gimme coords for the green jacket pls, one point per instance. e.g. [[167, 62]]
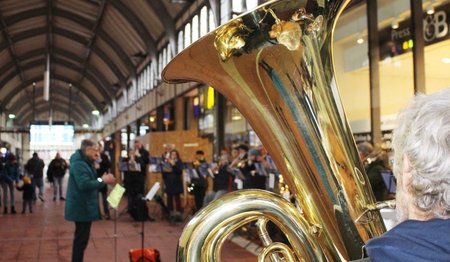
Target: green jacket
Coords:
[[82, 190]]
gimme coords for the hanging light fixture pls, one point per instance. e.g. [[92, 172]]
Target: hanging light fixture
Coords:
[[395, 23], [430, 9], [47, 80], [360, 39]]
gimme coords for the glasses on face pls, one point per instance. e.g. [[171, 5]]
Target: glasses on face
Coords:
[[94, 149]]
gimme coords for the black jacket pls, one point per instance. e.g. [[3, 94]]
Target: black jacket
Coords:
[[35, 167], [373, 171], [57, 167]]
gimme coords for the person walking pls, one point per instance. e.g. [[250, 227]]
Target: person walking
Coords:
[[82, 195], [35, 167], [57, 169]]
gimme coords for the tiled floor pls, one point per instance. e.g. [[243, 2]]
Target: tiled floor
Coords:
[[44, 235]]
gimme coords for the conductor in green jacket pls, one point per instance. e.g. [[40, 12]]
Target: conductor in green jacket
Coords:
[[82, 194]]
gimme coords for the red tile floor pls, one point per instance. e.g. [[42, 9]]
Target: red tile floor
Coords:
[[44, 235]]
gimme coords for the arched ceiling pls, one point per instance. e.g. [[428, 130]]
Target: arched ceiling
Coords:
[[96, 46]]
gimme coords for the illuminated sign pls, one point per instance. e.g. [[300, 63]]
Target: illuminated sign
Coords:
[[398, 41]]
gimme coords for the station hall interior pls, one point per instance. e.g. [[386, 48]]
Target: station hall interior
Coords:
[[92, 69]]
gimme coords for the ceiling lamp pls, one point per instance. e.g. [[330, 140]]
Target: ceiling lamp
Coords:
[[395, 24], [360, 39], [445, 60], [11, 116], [430, 8], [95, 112], [47, 80]]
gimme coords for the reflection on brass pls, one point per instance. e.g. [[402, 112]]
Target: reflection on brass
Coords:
[[229, 38], [279, 73], [287, 33]]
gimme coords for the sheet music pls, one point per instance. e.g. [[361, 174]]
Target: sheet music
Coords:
[[152, 192], [115, 196], [271, 180], [239, 183]]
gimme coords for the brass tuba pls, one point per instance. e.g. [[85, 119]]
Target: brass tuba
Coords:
[[275, 65]]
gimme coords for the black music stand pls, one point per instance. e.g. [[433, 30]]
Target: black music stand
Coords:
[[148, 197]]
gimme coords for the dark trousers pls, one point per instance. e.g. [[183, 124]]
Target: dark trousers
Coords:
[[27, 203], [170, 199], [199, 194], [80, 242]]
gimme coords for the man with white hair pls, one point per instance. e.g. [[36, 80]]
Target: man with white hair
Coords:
[[421, 144]]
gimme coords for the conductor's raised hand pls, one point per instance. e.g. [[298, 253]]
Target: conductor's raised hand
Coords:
[[108, 178]]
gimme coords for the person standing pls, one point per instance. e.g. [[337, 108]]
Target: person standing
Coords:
[[35, 167], [222, 174], [27, 195], [143, 157], [173, 185], [57, 169], [10, 176], [102, 166], [199, 182], [82, 195], [375, 162]]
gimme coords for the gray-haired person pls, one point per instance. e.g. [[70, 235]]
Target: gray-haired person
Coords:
[[82, 194], [421, 144]]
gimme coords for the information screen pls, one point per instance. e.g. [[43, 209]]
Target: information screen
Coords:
[[51, 134]]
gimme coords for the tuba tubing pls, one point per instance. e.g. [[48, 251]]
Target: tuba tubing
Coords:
[[275, 65]]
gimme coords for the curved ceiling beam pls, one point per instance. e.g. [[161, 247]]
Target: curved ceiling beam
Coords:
[[65, 33], [57, 102], [102, 83], [11, 49], [80, 21], [93, 75], [104, 35], [67, 54], [43, 108], [166, 20], [58, 92], [94, 30], [75, 57], [64, 63], [37, 79], [138, 26]]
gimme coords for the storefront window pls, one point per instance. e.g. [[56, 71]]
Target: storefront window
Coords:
[[437, 45], [351, 66]]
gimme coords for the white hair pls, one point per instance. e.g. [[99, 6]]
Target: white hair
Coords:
[[423, 136]]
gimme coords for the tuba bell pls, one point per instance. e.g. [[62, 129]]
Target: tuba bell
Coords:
[[275, 65]]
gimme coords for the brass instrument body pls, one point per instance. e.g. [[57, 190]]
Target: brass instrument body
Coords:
[[288, 93]]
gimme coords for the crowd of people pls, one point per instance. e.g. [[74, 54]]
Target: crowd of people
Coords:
[[241, 168]]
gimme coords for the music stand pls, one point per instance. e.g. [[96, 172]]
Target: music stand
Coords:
[[389, 181], [148, 197]]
